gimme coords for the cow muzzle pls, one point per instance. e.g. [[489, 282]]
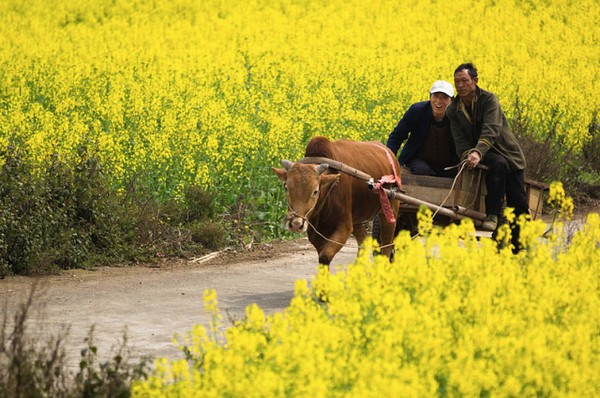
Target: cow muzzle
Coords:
[[295, 223]]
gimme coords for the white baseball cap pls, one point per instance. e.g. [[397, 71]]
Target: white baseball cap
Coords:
[[442, 86]]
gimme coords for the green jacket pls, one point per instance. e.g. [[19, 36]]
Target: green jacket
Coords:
[[489, 131]]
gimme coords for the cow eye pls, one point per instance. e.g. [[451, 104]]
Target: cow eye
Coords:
[[285, 186], [316, 192]]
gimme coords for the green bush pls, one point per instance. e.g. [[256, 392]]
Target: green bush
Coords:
[[198, 204], [60, 216], [57, 216], [111, 378], [30, 368], [591, 147], [551, 158], [32, 225], [208, 233]]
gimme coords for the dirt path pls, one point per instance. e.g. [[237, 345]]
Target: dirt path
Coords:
[[154, 302]]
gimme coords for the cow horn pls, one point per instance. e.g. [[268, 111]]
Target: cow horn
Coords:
[[321, 168], [287, 165]]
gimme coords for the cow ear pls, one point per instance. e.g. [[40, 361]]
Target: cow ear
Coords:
[[281, 173], [327, 179]]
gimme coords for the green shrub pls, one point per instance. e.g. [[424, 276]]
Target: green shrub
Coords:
[[29, 223], [111, 378], [57, 216], [198, 203], [209, 234], [550, 157], [60, 216], [591, 147], [31, 368]]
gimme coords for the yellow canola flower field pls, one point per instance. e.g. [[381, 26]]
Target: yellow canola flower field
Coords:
[[169, 93], [450, 316]]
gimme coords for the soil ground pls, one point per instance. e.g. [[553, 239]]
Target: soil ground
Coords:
[[153, 302]]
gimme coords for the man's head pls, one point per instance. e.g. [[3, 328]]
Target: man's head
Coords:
[[440, 96], [465, 80]]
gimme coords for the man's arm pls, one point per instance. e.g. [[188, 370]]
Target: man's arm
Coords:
[[461, 137], [400, 133], [491, 126]]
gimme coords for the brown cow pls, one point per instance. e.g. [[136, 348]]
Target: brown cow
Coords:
[[330, 205]]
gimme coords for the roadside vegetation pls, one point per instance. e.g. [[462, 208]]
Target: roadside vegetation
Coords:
[[34, 365], [63, 217]]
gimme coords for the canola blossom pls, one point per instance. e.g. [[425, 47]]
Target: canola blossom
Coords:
[[450, 316], [215, 92]]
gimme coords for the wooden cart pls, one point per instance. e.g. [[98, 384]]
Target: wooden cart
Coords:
[[453, 200]]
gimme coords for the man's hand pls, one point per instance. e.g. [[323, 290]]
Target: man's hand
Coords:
[[473, 160]]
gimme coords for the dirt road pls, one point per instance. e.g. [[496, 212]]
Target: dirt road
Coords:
[[154, 302]]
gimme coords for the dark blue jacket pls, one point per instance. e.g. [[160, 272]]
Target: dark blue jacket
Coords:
[[413, 126]]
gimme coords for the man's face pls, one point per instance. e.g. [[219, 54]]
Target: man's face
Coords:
[[439, 103], [465, 85]]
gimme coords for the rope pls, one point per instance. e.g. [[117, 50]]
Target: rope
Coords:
[[461, 166], [305, 217], [323, 236]]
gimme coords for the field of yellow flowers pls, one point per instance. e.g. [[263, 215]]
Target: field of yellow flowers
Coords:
[[177, 92]]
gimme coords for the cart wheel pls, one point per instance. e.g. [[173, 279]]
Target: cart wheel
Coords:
[[405, 221], [376, 230], [376, 234]]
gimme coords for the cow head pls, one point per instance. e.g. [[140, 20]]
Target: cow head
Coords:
[[303, 184]]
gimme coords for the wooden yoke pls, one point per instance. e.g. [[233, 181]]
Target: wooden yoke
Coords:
[[334, 164]]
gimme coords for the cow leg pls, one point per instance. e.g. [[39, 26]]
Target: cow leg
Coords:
[[328, 248], [360, 233]]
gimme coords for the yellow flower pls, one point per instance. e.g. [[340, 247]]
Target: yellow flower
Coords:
[[558, 199]]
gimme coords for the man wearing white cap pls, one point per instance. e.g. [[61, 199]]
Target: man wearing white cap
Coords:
[[429, 146]]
